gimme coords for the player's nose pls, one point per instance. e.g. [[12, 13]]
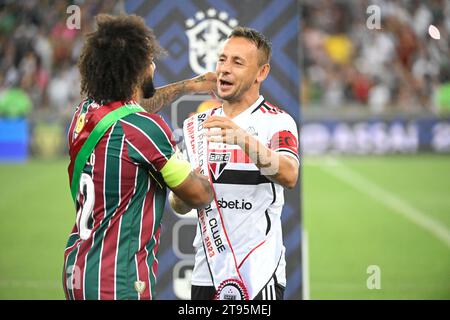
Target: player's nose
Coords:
[[223, 68]]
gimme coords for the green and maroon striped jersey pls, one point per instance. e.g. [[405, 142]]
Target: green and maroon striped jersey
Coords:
[[122, 195]]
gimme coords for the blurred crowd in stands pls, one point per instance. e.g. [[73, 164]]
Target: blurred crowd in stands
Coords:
[[39, 53], [398, 67]]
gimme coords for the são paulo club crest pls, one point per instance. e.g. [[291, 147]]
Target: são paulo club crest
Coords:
[[206, 32], [217, 162]]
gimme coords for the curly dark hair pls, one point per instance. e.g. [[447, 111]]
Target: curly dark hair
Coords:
[[116, 57]]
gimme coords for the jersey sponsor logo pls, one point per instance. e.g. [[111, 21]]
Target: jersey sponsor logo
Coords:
[[235, 204]]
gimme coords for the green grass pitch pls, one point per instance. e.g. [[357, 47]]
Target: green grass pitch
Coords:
[[353, 214], [350, 222]]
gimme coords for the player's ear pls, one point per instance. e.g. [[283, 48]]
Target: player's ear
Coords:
[[263, 72]]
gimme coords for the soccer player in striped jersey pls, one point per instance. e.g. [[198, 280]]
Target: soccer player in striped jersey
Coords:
[[113, 248]]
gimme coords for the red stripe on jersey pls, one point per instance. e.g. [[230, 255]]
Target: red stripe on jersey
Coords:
[[276, 109], [248, 254], [269, 110], [147, 225], [155, 250], [65, 275], [108, 260], [284, 140], [67, 251], [66, 294], [80, 263], [142, 273]]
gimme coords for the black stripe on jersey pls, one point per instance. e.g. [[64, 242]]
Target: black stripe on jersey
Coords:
[[259, 106], [273, 108], [287, 150], [274, 193], [269, 224], [268, 281], [241, 177], [269, 108]]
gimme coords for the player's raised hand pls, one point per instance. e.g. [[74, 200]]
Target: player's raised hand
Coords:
[[205, 83]]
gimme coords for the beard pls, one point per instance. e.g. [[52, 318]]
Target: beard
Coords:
[[148, 88]]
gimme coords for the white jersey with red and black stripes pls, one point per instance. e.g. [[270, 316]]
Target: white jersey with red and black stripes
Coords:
[[250, 203]]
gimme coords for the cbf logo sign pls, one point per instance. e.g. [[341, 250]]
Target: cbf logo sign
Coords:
[[206, 32]]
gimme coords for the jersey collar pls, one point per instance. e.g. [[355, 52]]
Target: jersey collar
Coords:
[[247, 111]]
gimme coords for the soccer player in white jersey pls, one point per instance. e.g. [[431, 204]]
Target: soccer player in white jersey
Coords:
[[253, 158]]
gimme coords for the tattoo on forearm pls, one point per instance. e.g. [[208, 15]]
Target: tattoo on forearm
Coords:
[[200, 79], [203, 180], [168, 94], [164, 96]]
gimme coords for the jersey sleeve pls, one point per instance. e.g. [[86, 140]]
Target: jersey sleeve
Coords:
[[176, 170], [149, 138], [284, 136], [151, 144]]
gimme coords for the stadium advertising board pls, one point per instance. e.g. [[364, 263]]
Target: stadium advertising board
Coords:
[[376, 136]]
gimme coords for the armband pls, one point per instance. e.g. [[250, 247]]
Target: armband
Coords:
[[175, 171]]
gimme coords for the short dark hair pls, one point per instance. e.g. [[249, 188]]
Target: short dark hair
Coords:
[[115, 57], [262, 43]]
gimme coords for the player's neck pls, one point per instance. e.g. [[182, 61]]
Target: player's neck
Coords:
[[233, 108], [137, 95]]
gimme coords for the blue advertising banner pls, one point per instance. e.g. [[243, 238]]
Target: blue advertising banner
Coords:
[[376, 136], [14, 138], [192, 31]]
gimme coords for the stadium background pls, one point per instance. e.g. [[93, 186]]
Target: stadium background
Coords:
[[375, 140]]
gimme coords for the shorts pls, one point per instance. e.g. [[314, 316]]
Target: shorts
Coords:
[[272, 291]]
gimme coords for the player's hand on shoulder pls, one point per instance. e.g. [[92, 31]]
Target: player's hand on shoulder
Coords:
[[205, 83]]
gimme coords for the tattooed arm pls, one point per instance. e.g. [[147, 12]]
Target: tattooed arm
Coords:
[[193, 193], [169, 93]]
